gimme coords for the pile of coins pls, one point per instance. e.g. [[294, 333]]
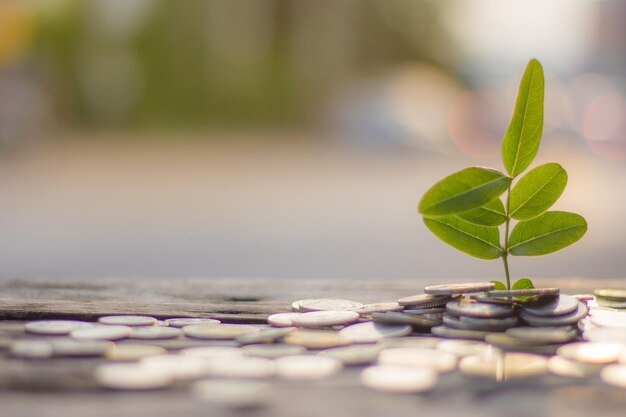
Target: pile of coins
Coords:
[[402, 346]]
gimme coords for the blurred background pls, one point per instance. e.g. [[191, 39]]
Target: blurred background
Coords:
[[292, 138]]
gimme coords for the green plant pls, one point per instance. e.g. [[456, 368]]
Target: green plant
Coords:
[[465, 209]]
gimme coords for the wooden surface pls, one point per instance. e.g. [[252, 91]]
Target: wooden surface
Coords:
[[64, 387]]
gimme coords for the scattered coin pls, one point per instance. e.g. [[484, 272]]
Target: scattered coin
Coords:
[[491, 300], [562, 305], [379, 308], [354, 355], [101, 332], [154, 332], [480, 310], [605, 302], [268, 335], [504, 367], [295, 306], [128, 320], [438, 361], [370, 332], [217, 331], [331, 304], [411, 341], [606, 335], [390, 378], [507, 342], [55, 327], [244, 367], [561, 366], [273, 351], [307, 368], [282, 319], [614, 319], [181, 367], [614, 375], [235, 394], [426, 311], [213, 352], [461, 288], [316, 339], [132, 377], [80, 348], [325, 318], [472, 323], [133, 352], [31, 349], [617, 294], [402, 318], [544, 334], [524, 293], [452, 333], [462, 348], [187, 321], [588, 352], [425, 300], [562, 320]]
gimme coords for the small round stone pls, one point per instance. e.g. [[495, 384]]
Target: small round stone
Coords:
[[438, 361], [128, 320], [102, 332], [217, 331], [187, 321], [282, 319], [391, 378], [328, 304], [132, 377], [307, 368], [325, 318], [371, 332], [55, 327], [154, 332], [459, 288]]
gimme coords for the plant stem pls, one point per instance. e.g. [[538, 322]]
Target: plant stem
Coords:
[[505, 253]]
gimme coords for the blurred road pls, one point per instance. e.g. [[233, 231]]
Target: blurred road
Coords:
[[233, 208]]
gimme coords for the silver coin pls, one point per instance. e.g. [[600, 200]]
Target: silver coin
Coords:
[[133, 352], [325, 318], [425, 300], [411, 341], [154, 332], [463, 348], [613, 319], [243, 367], [295, 306], [128, 320], [508, 343], [102, 332], [563, 320], [187, 321], [561, 366], [307, 368], [379, 308], [617, 294], [402, 318], [543, 334], [588, 352], [55, 327], [390, 378], [80, 348], [235, 394], [214, 352], [316, 339], [504, 367], [370, 332], [31, 349], [354, 355], [268, 335], [460, 288], [425, 311], [606, 335], [273, 351], [604, 302], [438, 361], [180, 367], [524, 293], [132, 377], [614, 375], [562, 305], [328, 304], [282, 319], [481, 310], [473, 323], [217, 331], [491, 300], [452, 333]]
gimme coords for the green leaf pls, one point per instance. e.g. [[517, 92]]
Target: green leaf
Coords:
[[547, 233], [522, 137], [479, 241], [462, 191], [523, 284], [499, 285], [490, 214], [536, 191]]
